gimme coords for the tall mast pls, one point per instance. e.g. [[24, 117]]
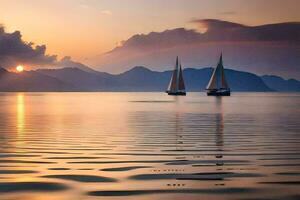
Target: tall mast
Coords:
[[221, 59], [180, 80], [177, 75], [224, 83]]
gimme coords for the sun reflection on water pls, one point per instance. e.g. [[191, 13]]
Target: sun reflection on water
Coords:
[[20, 114]]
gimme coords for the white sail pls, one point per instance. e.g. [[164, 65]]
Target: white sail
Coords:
[[176, 83], [173, 82], [212, 84], [218, 79]]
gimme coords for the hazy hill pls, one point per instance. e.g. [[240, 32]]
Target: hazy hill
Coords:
[[81, 80], [31, 81], [281, 84], [136, 79], [143, 79]]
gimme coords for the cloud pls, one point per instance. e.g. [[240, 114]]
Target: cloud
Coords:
[[218, 30], [68, 62], [212, 24], [14, 51], [263, 49], [106, 12]]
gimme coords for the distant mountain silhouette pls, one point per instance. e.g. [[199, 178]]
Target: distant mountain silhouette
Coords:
[[67, 62], [31, 81], [137, 79], [280, 84], [264, 49], [79, 79]]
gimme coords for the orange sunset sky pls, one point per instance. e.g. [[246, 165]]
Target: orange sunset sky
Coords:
[[86, 28]]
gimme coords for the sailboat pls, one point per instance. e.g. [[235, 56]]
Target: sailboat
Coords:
[[176, 85], [218, 85]]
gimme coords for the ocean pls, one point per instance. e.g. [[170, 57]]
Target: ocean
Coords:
[[149, 146]]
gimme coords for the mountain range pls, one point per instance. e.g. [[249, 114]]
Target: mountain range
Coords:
[[137, 79]]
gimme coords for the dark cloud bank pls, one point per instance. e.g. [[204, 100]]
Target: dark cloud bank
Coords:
[[14, 51], [265, 49]]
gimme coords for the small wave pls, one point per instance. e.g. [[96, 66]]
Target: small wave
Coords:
[[81, 178], [125, 168], [31, 187]]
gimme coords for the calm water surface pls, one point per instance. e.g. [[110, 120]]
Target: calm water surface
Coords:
[[149, 146]]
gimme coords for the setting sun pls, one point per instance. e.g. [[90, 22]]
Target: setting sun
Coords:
[[20, 68]]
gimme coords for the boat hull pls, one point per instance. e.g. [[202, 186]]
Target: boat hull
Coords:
[[177, 93], [218, 93]]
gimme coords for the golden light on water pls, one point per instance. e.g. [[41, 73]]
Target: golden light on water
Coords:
[[20, 68], [20, 113]]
